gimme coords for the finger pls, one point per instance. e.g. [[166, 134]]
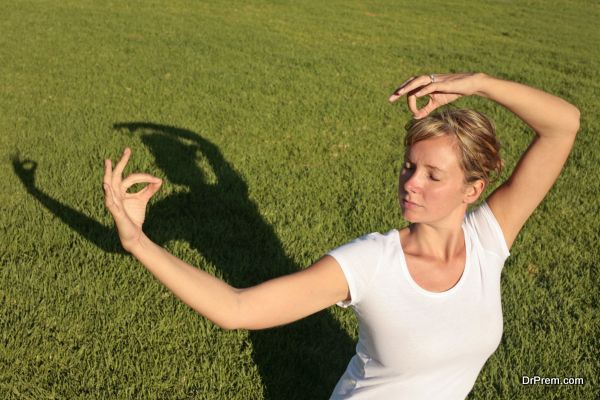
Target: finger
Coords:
[[398, 92], [107, 178], [109, 200], [147, 192], [423, 112], [411, 101], [107, 181], [138, 178], [433, 87], [416, 83], [118, 171]]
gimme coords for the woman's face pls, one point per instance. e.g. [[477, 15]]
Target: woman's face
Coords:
[[432, 182]]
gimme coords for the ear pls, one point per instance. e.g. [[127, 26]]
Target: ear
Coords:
[[473, 191]]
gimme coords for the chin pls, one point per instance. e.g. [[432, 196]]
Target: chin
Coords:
[[410, 216]]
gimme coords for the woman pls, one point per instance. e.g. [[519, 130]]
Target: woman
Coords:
[[428, 296]]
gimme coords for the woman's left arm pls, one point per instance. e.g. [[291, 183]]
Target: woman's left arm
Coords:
[[555, 123]]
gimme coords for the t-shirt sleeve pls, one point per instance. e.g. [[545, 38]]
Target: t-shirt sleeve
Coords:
[[359, 260], [485, 226]]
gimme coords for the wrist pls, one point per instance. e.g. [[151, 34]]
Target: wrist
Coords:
[[138, 246], [482, 84]]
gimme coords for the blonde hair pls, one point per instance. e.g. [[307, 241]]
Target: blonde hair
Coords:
[[477, 145]]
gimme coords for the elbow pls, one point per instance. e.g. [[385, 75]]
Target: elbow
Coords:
[[243, 314], [225, 322], [571, 120], [228, 326], [574, 120], [568, 125], [232, 319], [225, 313]]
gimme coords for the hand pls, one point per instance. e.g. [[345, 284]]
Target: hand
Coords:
[[127, 209], [443, 90], [25, 170]]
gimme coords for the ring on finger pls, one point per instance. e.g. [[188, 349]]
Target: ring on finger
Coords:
[[432, 77]]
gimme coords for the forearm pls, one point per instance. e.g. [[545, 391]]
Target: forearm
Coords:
[[549, 116], [206, 294]]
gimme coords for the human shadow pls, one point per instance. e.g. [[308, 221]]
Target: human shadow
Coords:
[[102, 236], [302, 360]]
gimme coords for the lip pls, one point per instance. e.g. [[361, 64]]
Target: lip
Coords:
[[409, 204]]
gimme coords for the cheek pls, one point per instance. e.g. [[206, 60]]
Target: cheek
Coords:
[[445, 195]]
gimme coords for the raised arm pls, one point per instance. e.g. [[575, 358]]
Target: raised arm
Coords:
[[554, 121], [272, 303]]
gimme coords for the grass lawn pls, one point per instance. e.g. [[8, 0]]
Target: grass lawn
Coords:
[[270, 125]]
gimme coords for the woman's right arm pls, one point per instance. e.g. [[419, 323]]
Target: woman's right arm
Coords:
[[272, 303]]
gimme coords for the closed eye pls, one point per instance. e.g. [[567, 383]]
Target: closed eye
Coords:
[[408, 166]]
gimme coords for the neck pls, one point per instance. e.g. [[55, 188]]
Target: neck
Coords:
[[440, 241]]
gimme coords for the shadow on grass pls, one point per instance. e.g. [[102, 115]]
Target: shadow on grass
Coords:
[[102, 236], [302, 360]]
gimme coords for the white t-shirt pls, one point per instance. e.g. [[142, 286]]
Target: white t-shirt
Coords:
[[415, 344]]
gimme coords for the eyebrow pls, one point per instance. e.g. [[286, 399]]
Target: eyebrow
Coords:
[[429, 166], [434, 168]]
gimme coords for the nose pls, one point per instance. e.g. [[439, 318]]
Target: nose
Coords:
[[409, 181]]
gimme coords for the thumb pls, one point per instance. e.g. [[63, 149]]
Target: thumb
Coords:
[[427, 109], [150, 189]]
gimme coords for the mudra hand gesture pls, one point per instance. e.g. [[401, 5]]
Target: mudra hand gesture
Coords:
[[441, 89], [127, 209]]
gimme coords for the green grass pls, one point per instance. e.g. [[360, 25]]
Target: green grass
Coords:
[[270, 124]]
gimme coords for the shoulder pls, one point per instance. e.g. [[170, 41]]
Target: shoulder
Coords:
[[482, 227], [368, 241], [360, 261]]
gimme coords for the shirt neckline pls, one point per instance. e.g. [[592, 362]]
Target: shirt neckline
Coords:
[[417, 287]]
